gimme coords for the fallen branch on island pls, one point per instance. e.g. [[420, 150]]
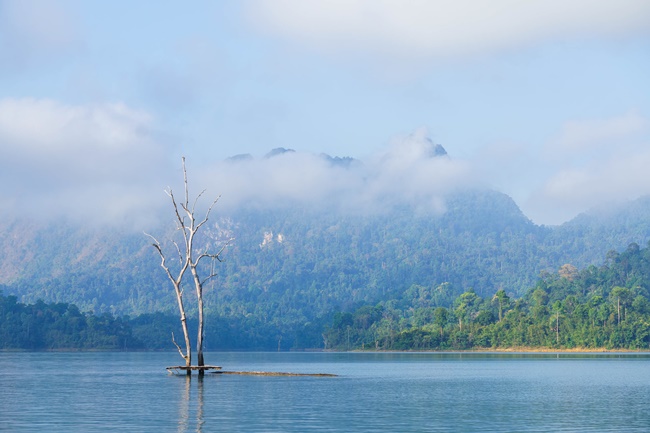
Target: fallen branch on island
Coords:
[[185, 368], [217, 370], [274, 373]]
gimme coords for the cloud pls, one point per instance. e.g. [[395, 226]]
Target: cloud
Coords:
[[102, 164], [448, 28], [405, 173], [35, 30], [622, 178], [90, 162], [578, 137], [592, 163]]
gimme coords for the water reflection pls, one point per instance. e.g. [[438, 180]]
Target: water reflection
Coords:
[[199, 411], [184, 406], [188, 406], [417, 392]]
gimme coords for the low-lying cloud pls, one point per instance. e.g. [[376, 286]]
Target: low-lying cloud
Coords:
[[406, 173], [596, 136], [104, 163], [90, 162], [590, 163], [101, 163]]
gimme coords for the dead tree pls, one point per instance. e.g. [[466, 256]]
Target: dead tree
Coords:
[[176, 282], [189, 258]]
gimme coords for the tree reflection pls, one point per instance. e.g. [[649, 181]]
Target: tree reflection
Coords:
[[185, 419]]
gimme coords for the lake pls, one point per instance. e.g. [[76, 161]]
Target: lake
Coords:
[[374, 392]]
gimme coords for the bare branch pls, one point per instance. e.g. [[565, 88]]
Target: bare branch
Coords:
[[208, 278], [187, 195], [197, 199], [163, 264], [154, 239], [225, 245], [178, 347], [180, 221], [207, 214], [216, 256], [178, 251], [213, 256]]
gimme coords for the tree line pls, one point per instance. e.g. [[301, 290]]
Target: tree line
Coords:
[[62, 326], [596, 307], [603, 307], [42, 326]]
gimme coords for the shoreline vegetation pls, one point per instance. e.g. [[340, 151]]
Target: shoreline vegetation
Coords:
[[515, 350], [602, 309], [597, 309], [477, 351]]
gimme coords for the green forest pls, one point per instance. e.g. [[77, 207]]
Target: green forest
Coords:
[[291, 269], [42, 326], [598, 307], [604, 307], [62, 326]]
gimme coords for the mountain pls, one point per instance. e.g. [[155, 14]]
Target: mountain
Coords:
[[293, 264], [300, 263], [604, 307], [599, 230], [278, 151]]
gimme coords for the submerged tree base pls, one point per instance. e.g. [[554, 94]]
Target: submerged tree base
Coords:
[[183, 369], [199, 368]]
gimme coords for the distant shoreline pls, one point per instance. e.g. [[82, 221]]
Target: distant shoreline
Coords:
[[554, 350], [506, 350]]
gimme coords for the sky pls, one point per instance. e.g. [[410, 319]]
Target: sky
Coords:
[[546, 101]]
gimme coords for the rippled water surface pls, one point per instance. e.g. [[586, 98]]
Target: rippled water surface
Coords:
[[374, 392]]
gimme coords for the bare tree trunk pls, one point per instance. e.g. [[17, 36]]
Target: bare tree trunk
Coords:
[[199, 339], [186, 334], [186, 223], [176, 282]]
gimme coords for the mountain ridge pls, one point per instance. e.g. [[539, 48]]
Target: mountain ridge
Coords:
[[334, 261], [293, 262]]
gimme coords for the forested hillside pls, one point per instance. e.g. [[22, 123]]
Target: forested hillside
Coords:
[[290, 269], [598, 307]]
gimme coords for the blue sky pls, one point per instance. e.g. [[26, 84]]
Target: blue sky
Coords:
[[547, 101]]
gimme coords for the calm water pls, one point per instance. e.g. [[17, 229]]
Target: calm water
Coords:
[[132, 392]]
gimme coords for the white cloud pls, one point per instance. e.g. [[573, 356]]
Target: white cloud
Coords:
[[93, 162], [424, 28], [600, 135], [101, 163], [408, 173], [405, 173], [591, 163], [32, 30], [572, 191]]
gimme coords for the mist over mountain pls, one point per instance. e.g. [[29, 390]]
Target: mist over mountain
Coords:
[[316, 234], [411, 171]]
